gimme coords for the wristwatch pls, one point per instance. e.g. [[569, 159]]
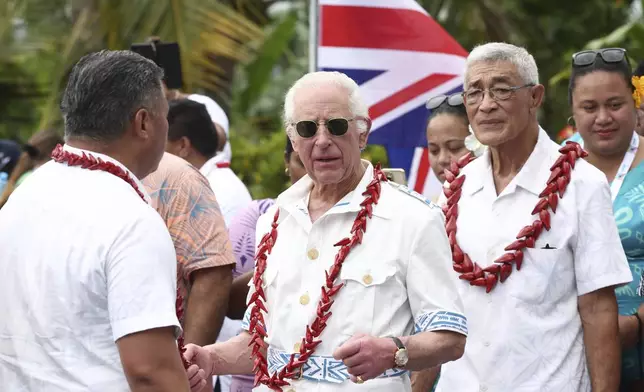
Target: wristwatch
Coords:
[[400, 356]]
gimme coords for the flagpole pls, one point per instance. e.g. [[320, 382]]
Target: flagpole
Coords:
[[313, 35]]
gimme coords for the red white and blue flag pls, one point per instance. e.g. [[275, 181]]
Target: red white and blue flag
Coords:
[[400, 57]]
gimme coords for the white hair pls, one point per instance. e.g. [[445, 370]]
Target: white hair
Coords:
[[357, 105], [501, 51]]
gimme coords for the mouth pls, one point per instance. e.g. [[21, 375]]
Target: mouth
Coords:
[[326, 160], [605, 132], [490, 122]]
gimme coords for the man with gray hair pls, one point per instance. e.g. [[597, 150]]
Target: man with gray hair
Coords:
[[534, 244], [352, 282], [88, 267]]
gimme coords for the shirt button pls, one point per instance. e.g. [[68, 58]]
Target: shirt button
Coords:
[[291, 390], [483, 388], [313, 254], [304, 299], [367, 279], [486, 344], [296, 347]]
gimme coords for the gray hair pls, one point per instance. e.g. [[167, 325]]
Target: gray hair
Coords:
[[104, 91], [357, 105], [501, 51]]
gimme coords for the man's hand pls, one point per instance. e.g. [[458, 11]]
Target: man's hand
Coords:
[[366, 356], [201, 369]]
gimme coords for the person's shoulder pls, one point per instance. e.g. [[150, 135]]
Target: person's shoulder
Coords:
[[173, 170], [587, 177], [264, 221], [409, 202], [584, 176], [583, 173]]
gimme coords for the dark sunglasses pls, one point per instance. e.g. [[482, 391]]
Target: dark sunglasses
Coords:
[[588, 57], [336, 126], [452, 100]]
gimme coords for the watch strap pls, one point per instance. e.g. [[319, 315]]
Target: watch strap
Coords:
[[399, 343]]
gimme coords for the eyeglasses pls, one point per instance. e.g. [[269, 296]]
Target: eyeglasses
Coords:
[[452, 100], [336, 126], [474, 96], [588, 57]]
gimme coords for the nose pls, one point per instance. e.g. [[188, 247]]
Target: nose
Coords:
[[444, 158], [487, 103], [322, 136], [603, 116]]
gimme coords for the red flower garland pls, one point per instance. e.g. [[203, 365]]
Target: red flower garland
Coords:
[[527, 237], [89, 162], [313, 331]]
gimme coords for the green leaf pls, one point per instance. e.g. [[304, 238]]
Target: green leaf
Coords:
[[616, 38], [259, 70]]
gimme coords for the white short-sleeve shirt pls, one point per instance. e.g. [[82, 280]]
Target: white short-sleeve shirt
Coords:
[[526, 335], [84, 261], [231, 193], [397, 282]]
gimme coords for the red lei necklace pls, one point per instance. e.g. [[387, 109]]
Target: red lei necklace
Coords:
[[527, 237], [313, 331], [89, 162]]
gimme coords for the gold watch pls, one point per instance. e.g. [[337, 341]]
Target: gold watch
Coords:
[[401, 357]]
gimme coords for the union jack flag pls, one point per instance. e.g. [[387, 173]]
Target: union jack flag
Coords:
[[400, 57]]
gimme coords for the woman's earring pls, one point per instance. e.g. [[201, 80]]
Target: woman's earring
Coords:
[[286, 171], [571, 121]]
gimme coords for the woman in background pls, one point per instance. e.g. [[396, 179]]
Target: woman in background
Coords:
[[602, 99], [448, 138], [242, 237], [449, 135]]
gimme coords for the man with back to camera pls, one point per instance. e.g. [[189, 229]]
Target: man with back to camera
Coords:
[[193, 137], [89, 269]]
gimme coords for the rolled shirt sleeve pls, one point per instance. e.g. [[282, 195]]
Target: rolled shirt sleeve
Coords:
[[142, 278], [431, 283], [599, 257]]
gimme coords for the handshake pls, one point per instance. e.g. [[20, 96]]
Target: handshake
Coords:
[[366, 357]]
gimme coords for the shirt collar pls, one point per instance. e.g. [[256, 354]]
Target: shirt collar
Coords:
[[295, 199], [532, 176], [211, 164], [107, 158]]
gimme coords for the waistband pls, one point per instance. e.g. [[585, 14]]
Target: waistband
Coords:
[[320, 368]]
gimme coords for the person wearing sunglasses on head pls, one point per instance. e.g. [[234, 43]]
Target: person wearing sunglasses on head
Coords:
[[533, 243], [602, 98], [378, 251], [448, 133]]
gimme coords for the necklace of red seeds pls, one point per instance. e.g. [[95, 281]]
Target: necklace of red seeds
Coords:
[[307, 347], [527, 237], [89, 162]]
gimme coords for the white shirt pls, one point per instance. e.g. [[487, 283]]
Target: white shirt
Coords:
[[231, 193], [397, 281], [217, 115], [84, 261], [526, 335]]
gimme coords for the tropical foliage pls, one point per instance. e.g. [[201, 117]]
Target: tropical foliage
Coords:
[[245, 54]]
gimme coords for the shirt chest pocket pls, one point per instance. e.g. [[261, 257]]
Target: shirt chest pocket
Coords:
[[543, 277], [364, 285]]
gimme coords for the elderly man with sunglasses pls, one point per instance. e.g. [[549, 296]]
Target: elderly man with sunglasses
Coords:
[[352, 286], [533, 242]]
